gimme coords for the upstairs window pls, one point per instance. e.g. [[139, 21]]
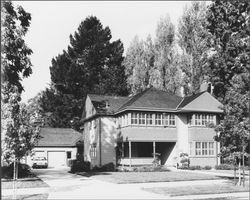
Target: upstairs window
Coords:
[[134, 118], [142, 120], [202, 119], [149, 118], [158, 119], [172, 120]]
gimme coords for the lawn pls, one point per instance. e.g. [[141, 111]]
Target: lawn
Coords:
[[24, 183], [197, 189], [146, 177], [29, 196]]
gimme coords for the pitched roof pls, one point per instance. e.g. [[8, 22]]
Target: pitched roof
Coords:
[[188, 99], [100, 101], [153, 98], [60, 137]]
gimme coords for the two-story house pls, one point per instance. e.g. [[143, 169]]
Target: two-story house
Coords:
[[133, 130]]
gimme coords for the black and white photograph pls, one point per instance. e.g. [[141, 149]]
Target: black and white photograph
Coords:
[[125, 100]]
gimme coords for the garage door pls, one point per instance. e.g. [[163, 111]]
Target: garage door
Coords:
[[56, 158]]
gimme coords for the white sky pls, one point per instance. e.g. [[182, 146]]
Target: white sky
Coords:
[[53, 22]]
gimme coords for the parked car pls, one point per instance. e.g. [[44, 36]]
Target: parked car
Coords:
[[39, 162]]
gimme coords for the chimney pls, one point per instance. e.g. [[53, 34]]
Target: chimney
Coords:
[[107, 104], [204, 86]]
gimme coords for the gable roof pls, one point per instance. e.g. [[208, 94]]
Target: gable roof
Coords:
[[188, 99], [153, 99], [59, 137], [201, 102], [100, 102]]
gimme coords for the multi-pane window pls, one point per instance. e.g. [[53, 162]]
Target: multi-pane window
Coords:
[[165, 119], [198, 148], [93, 151], [134, 118], [204, 148], [158, 119], [149, 118], [202, 119], [172, 120], [142, 118]]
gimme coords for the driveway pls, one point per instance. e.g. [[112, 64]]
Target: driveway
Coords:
[[64, 185]]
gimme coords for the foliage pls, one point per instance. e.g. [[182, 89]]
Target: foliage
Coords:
[[228, 26], [225, 167], [91, 64], [19, 134], [23, 171], [109, 167], [154, 64], [207, 167], [192, 36], [79, 166], [15, 61]]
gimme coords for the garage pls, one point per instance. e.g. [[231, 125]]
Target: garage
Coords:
[[56, 158]]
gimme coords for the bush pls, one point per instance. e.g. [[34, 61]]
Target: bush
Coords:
[[79, 166], [183, 167], [194, 167], [207, 167], [224, 167], [23, 171], [109, 167]]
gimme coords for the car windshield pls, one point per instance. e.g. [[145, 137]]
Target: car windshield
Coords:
[[40, 158]]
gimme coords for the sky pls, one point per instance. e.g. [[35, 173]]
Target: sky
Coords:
[[53, 21]]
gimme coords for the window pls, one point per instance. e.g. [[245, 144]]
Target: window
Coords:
[[211, 148], [203, 119], [142, 118], [165, 119], [172, 120], [149, 118], [197, 148], [204, 148], [68, 154], [93, 151], [158, 119], [134, 119]]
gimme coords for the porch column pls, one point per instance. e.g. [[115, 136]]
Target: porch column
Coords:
[[130, 161], [154, 149]]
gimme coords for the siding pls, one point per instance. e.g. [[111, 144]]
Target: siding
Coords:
[[149, 134], [200, 134], [203, 161]]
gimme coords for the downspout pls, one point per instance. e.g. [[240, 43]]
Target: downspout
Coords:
[[100, 141]]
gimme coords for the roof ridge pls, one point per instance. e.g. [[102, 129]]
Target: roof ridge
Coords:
[[195, 96]]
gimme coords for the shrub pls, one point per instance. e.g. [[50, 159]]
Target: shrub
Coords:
[[183, 167], [23, 171], [224, 167], [79, 166], [207, 167], [109, 167], [194, 167]]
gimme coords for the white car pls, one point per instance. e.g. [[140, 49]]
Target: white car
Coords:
[[38, 162]]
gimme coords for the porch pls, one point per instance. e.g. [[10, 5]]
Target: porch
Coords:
[[134, 153]]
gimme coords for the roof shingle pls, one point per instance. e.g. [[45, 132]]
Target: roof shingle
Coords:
[[62, 137]]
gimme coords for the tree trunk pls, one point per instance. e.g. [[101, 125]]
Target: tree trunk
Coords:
[[14, 179], [239, 182], [243, 170]]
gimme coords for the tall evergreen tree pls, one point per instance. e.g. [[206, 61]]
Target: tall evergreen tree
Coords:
[[92, 63]]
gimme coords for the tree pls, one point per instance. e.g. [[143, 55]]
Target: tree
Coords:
[[92, 63], [228, 26], [138, 62], [14, 53], [165, 74], [192, 37], [228, 42]]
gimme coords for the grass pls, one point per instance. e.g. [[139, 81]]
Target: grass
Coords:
[[146, 177], [24, 183], [197, 189], [29, 196]]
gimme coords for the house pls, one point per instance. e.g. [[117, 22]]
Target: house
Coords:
[[133, 130], [58, 145]]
